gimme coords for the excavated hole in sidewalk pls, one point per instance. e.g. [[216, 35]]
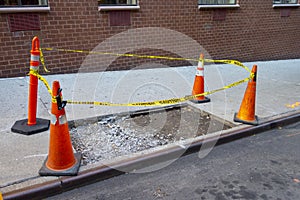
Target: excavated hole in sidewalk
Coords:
[[117, 135]]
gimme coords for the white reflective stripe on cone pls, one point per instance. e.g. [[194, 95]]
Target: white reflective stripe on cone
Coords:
[[200, 64], [34, 58], [62, 119], [34, 68], [200, 72], [53, 119]]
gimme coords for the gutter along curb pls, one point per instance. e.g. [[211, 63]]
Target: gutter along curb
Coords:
[[103, 172]]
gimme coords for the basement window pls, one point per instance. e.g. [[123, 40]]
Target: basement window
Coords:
[[218, 4], [285, 3], [118, 5], [12, 6]]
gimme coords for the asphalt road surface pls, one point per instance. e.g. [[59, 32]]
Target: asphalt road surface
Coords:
[[264, 166]]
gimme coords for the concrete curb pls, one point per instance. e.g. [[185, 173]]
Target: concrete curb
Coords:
[[100, 173]]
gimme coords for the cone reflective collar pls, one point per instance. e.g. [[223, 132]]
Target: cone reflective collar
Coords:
[[246, 114]]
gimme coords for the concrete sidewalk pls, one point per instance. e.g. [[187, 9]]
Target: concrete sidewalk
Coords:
[[278, 84]]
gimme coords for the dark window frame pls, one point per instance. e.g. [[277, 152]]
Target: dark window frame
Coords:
[[116, 3], [284, 2], [216, 2], [20, 4]]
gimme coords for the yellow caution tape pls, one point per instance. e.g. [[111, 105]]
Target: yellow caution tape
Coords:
[[150, 103], [43, 60], [41, 78], [159, 102], [35, 73], [293, 105], [233, 62]]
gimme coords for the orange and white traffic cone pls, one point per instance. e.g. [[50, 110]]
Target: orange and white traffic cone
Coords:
[[32, 124], [246, 114], [61, 160], [198, 87]]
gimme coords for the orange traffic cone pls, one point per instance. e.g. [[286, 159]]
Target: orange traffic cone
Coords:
[[60, 161], [198, 87], [246, 113]]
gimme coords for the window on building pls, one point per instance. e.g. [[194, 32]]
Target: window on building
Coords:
[[117, 2], [23, 3], [216, 2], [285, 1]]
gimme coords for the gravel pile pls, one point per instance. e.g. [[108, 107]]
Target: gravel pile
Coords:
[[122, 135], [108, 139]]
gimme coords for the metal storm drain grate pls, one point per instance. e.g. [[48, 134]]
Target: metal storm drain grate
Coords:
[[119, 135]]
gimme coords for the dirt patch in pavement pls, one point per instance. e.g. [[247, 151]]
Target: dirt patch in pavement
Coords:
[[118, 135]]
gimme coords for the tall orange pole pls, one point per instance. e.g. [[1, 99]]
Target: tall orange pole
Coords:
[[33, 81], [33, 124]]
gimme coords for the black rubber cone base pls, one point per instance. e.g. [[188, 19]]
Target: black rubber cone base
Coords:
[[205, 100], [73, 171], [22, 127], [255, 122]]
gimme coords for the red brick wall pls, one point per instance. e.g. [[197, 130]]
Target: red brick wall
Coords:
[[255, 31]]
